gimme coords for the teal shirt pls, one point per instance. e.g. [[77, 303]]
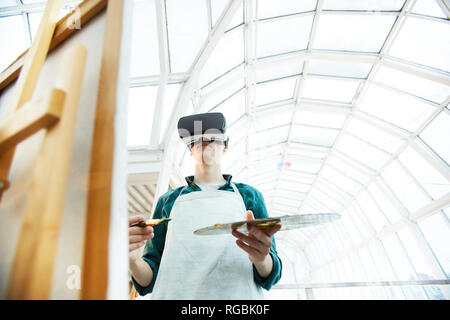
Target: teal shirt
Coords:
[[153, 251]]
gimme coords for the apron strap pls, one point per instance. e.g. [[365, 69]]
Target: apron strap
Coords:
[[238, 194]]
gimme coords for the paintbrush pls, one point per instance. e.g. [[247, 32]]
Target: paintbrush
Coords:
[[150, 222]]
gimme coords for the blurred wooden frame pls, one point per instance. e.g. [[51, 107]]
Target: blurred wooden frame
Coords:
[[95, 254], [85, 11], [36, 248], [94, 281]]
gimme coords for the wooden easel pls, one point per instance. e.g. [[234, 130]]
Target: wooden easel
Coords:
[[32, 270]]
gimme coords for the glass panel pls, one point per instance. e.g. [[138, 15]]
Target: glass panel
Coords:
[[352, 169], [348, 222], [330, 90], [324, 199], [263, 187], [141, 106], [275, 149], [320, 118], [372, 211], [303, 165], [144, 59], [384, 203], [430, 179], [219, 93], [187, 28], [366, 33], [398, 258], [304, 178], [300, 189], [170, 98], [13, 39], [277, 70], [381, 262], [339, 68], [268, 137], [398, 109], [256, 170], [294, 203], [232, 155], [421, 41], [433, 91], [382, 5], [228, 53], [369, 268], [238, 18], [274, 91], [275, 8], [314, 135], [434, 135], [283, 208], [217, 7], [34, 19], [406, 190], [417, 256], [340, 179], [306, 151], [233, 108], [437, 232], [362, 152], [273, 120], [283, 35], [236, 137], [447, 212], [428, 8], [8, 3], [373, 135], [332, 190]]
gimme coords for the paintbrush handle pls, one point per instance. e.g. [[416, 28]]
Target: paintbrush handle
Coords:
[[139, 224]]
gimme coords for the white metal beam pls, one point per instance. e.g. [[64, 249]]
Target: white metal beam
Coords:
[[363, 284], [188, 87], [32, 7], [170, 142], [161, 27], [300, 84]]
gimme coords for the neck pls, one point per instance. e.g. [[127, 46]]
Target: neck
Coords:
[[206, 174]]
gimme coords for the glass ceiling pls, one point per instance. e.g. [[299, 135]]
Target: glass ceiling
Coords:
[[333, 106]]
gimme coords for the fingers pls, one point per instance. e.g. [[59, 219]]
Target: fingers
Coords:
[[254, 243], [135, 219], [249, 217], [261, 235], [270, 231], [252, 252], [138, 236], [136, 245], [136, 239], [140, 230]]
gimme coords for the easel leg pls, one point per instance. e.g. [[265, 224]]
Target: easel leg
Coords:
[[32, 270]]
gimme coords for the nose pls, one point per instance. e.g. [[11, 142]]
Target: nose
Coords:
[[204, 143]]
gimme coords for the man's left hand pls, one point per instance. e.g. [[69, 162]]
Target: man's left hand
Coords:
[[258, 241]]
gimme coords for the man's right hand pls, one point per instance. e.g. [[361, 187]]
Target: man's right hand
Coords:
[[137, 237]]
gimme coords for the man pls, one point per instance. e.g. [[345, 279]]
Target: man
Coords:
[[178, 264]]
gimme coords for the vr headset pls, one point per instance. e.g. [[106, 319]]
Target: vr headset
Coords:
[[203, 127]]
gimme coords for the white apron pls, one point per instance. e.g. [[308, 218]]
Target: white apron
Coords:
[[205, 267]]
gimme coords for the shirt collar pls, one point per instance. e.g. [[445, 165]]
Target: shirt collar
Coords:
[[190, 181]]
